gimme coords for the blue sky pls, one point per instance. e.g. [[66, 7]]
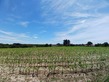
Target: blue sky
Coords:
[[51, 21]]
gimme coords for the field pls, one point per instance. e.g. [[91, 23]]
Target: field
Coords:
[[54, 64]]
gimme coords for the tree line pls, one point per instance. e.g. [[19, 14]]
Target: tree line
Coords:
[[66, 42], [89, 43], [18, 45]]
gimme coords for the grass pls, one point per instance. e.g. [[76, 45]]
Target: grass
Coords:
[[107, 79]]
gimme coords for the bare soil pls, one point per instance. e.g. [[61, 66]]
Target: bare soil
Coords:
[[44, 74]]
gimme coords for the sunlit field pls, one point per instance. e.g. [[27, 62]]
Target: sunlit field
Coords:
[[54, 64]]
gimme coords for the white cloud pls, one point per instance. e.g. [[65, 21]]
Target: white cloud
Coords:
[[91, 4], [13, 34], [71, 12], [81, 19], [78, 14], [24, 23], [72, 7], [6, 33], [59, 5], [11, 37], [35, 37], [95, 30]]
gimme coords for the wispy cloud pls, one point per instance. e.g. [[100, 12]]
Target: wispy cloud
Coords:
[[13, 34], [77, 20], [35, 37], [57, 6], [84, 19], [24, 23], [11, 37], [6, 33], [95, 30], [73, 8]]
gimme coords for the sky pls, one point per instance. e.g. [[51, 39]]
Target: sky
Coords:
[[52, 21]]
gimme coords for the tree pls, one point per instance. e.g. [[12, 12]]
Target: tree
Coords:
[[58, 44], [66, 42], [98, 44], [89, 43], [105, 44]]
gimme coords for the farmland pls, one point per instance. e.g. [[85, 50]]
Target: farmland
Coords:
[[54, 64]]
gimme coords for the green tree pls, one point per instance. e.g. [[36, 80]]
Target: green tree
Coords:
[[66, 42], [105, 44], [89, 43]]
